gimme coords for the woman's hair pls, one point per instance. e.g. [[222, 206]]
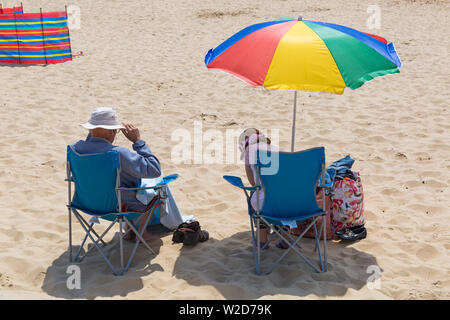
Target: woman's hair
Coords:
[[251, 136], [247, 133]]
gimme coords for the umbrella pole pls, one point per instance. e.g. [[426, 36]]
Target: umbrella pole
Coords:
[[293, 121]]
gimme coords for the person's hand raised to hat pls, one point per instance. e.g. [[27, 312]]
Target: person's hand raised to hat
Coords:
[[131, 132]]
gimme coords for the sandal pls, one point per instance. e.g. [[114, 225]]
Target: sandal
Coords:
[[353, 234]]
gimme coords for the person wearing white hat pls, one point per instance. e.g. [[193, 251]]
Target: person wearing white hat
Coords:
[[103, 127]]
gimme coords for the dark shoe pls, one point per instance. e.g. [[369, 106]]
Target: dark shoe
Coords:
[[204, 236], [191, 237], [282, 245], [353, 234], [357, 229], [179, 233], [178, 236], [190, 234]]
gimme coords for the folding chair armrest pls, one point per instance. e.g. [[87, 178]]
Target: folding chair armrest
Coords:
[[140, 188], [237, 182], [166, 180], [69, 180], [169, 178]]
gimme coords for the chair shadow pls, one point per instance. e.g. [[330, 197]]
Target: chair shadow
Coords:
[[228, 265], [97, 279]]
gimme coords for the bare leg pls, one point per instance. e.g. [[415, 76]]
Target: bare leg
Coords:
[[129, 234], [146, 235]]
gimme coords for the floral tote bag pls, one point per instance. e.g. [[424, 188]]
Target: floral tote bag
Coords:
[[347, 203]]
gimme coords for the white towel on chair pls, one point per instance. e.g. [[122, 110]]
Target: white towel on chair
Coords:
[[169, 215]]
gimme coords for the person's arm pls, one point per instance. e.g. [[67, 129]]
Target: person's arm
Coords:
[[249, 172], [143, 163]]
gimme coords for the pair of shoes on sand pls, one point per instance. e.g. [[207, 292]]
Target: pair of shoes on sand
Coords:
[[352, 234], [190, 234]]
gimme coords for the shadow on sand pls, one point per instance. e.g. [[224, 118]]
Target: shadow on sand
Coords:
[[100, 280], [228, 265], [13, 65]]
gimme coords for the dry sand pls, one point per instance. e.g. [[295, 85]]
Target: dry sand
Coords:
[[145, 58]]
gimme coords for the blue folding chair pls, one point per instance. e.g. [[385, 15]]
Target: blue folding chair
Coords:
[[289, 182], [98, 194]]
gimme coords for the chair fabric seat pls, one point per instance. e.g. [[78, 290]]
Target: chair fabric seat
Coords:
[[277, 220]]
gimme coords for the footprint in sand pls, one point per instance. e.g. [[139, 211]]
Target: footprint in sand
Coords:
[[427, 252], [5, 281]]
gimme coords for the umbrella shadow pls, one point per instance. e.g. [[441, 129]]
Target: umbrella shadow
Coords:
[[228, 265], [96, 278]]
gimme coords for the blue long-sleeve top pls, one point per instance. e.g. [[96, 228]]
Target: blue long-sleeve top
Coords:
[[134, 165]]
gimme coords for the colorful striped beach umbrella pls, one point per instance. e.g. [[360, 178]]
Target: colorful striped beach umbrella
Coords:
[[304, 55]]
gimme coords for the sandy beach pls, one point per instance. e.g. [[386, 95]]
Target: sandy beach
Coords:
[[146, 59]]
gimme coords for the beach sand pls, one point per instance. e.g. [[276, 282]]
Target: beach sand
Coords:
[[146, 59]]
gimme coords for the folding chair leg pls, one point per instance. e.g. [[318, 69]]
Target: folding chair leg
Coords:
[[96, 245], [70, 233], [324, 223], [320, 235], [82, 244], [139, 237], [258, 246], [293, 247], [318, 247], [254, 246], [101, 238], [93, 231], [121, 246]]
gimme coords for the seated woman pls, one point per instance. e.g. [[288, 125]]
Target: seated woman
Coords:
[[250, 141]]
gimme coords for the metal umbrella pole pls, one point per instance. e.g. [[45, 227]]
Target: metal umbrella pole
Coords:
[[293, 121]]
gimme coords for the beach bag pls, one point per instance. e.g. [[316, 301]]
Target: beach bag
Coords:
[[301, 226], [347, 203]]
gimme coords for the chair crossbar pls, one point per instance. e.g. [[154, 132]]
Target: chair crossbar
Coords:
[[96, 244], [98, 239], [87, 224]]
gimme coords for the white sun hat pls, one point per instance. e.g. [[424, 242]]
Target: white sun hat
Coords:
[[105, 118]]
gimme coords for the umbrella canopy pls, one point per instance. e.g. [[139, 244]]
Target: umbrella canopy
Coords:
[[304, 55]]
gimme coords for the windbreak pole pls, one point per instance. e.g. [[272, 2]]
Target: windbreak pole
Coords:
[[17, 36], [68, 31], [43, 38]]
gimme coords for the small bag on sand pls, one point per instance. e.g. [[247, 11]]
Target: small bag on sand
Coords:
[[347, 203]]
